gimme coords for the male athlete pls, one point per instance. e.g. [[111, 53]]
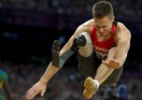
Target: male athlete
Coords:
[[4, 86], [102, 45]]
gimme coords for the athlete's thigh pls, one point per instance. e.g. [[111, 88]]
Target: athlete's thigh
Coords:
[[88, 65], [114, 77]]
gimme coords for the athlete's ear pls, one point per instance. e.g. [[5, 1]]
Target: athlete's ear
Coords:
[[112, 19]]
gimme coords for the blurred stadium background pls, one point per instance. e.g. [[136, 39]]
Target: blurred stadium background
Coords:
[[28, 28]]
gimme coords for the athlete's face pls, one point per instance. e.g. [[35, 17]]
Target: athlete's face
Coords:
[[104, 25]]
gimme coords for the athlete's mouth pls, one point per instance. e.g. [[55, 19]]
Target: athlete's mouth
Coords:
[[101, 33]]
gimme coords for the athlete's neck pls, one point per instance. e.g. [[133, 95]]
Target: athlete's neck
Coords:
[[103, 37]]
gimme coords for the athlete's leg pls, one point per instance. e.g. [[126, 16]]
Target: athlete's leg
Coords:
[[87, 65], [87, 50], [114, 77], [81, 43], [87, 61], [102, 74], [105, 71]]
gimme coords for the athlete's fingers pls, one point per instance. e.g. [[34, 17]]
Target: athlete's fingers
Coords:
[[117, 65], [32, 93], [43, 91], [112, 61], [104, 62], [30, 89], [29, 95]]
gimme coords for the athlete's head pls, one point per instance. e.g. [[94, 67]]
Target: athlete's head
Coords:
[[103, 17]]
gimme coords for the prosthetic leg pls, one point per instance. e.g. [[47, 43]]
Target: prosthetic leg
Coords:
[[59, 61], [55, 53], [83, 44]]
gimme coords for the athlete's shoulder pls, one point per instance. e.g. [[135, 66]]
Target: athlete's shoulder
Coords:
[[122, 32], [89, 22], [121, 26], [88, 25]]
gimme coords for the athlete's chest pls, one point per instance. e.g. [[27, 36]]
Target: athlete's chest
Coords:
[[103, 42], [102, 45], [103, 38]]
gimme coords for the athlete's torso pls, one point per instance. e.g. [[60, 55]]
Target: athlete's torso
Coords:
[[101, 48], [104, 46]]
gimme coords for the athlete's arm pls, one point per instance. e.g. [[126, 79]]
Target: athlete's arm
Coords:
[[123, 38], [51, 70], [40, 86], [85, 27], [116, 56], [123, 44]]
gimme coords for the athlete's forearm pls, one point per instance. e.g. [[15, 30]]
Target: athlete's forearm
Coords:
[[50, 71], [105, 72], [123, 39], [121, 52]]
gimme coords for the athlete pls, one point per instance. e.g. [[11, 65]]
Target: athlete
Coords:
[[102, 45], [4, 86]]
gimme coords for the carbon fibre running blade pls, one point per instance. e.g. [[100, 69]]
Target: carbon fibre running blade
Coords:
[[55, 53]]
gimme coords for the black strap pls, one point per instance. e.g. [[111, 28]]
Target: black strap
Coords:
[[115, 23]]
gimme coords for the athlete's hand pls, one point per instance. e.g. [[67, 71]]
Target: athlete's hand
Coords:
[[38, 88], [112, 63]]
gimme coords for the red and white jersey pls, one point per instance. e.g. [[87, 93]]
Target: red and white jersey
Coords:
[[102, 47]]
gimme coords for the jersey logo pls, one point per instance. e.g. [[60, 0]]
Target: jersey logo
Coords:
[[99, 49]]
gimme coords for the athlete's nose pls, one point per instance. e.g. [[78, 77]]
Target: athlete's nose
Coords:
[[101, 30]]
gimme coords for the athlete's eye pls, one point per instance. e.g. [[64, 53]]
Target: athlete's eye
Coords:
[[104, 27], [97, 27]]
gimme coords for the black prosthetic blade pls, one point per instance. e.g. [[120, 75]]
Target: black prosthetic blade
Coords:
[[55, 53]]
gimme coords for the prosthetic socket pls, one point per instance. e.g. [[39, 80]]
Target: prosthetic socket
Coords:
[[58, 60]]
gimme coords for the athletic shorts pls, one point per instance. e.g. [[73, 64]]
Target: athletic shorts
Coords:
[[88, 67]]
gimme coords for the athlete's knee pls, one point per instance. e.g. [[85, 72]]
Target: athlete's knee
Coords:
[[80, 41]]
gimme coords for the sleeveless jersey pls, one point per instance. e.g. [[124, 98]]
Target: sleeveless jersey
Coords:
[[101, 48]]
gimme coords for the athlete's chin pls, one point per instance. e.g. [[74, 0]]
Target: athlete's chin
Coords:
[[102, 34]]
